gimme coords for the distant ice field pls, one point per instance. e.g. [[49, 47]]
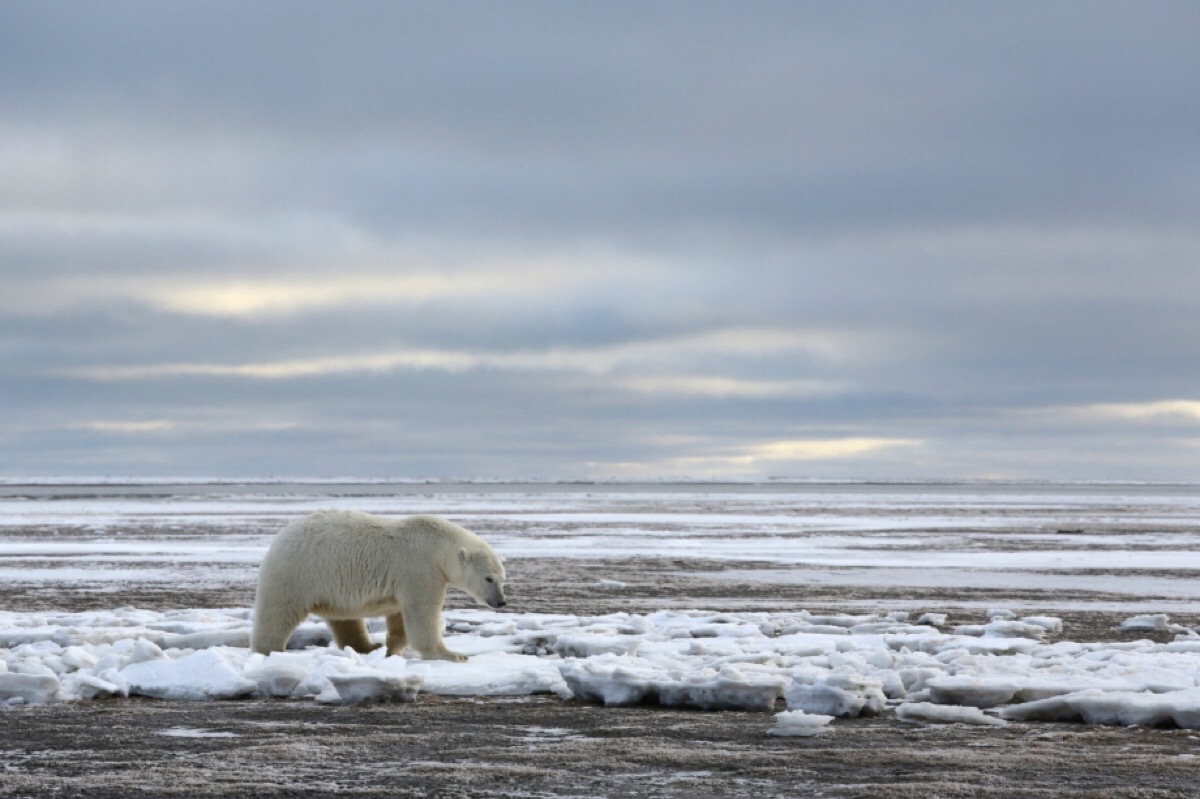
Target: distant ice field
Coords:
[[1137, 545]]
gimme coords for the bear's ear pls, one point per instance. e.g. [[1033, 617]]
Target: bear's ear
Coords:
[[463, 557]]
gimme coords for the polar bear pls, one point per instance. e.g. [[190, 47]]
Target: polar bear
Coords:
[[344, 566]]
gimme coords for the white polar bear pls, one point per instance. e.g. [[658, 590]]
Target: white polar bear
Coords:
[[344, 566]]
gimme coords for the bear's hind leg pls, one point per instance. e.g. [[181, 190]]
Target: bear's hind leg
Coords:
[[396, 638], [351, 633]]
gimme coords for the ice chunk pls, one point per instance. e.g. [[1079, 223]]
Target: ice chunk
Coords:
[[76, 657], [372, 685], [1052, 624], [990, 691], [1095, 706], [31, 688], [1003, 628], [145, 650], [276, 679], [846, 695], [616, 681], [817, 629], [726, 630], [841, 620], [207, 639], [999, 646], [945, 714], [202, 675], [32, 665], [1185, 709], [1153, 622], [729, 689], [933, 619], [799, 723], [1055, 708], [975, 692], [494, 628], [889, 626], [491, 674], [10, 639], [623, 681], [1183, 644], [85, 686], [590, 644]]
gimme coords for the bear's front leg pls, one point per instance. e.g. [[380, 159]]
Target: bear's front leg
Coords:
[[425, 636]]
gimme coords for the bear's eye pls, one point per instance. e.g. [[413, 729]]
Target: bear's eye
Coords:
[[490, 580]]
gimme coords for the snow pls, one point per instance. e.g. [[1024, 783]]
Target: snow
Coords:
[[820, 665]]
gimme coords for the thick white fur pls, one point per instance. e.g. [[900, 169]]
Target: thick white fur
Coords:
[[344, 566]]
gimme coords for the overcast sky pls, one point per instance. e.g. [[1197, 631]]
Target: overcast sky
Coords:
[[611, 239]]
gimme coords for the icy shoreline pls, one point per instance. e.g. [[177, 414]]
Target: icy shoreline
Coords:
[[823, 665]]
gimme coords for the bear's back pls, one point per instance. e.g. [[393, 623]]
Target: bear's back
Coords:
[[331, 534]]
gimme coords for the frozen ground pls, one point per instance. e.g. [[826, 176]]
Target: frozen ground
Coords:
[[863, 640]]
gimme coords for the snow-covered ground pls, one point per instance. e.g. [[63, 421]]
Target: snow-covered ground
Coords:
[[1137, 543], [832, 666]]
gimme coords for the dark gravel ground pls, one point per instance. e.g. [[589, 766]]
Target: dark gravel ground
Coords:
[[546, 748]]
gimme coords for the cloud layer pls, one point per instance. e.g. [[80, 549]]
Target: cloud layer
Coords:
[[610, 239]]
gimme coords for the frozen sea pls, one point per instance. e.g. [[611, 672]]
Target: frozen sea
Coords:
[[982, 604]]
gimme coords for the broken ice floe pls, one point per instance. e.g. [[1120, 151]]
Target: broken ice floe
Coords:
[[1179, 708], [837, 694], [832, 665], [621, 680], [946, 714], [1152, 622]]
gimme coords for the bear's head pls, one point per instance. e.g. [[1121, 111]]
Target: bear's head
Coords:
[[483, 576]]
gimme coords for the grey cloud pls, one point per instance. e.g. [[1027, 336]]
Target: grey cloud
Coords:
[[990, 209], [853, 113]]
